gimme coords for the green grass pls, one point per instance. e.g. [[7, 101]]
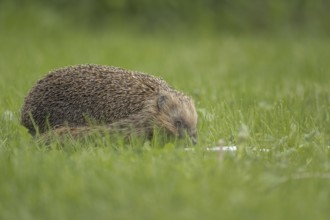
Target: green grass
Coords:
[[255, 92]]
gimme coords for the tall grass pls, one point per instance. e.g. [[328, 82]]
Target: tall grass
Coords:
[[268, 95]]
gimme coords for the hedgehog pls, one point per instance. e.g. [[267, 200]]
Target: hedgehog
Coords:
[[123, 100]]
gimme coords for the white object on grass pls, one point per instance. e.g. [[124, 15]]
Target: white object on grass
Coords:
[[224, 148]]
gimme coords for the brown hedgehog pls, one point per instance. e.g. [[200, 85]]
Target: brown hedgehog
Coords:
[[124, 100]]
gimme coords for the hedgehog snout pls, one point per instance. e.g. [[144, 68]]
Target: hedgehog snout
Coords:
[[189, 133], [194, 138]]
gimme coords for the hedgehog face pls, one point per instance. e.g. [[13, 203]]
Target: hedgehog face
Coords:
[[177, 114]]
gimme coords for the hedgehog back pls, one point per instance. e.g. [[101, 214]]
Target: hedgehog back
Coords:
[[102, 93]]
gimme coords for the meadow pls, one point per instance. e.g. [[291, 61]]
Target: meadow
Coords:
[[267, 94]]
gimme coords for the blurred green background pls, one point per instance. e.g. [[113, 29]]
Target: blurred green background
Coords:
[[171, 15], [258, 72]]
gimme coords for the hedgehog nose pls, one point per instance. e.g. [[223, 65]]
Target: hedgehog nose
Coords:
[[194, 140]]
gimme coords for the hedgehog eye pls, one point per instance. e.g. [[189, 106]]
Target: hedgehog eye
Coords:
[[178, 123]]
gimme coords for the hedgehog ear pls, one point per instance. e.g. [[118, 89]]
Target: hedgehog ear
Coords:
[[161, 101]]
